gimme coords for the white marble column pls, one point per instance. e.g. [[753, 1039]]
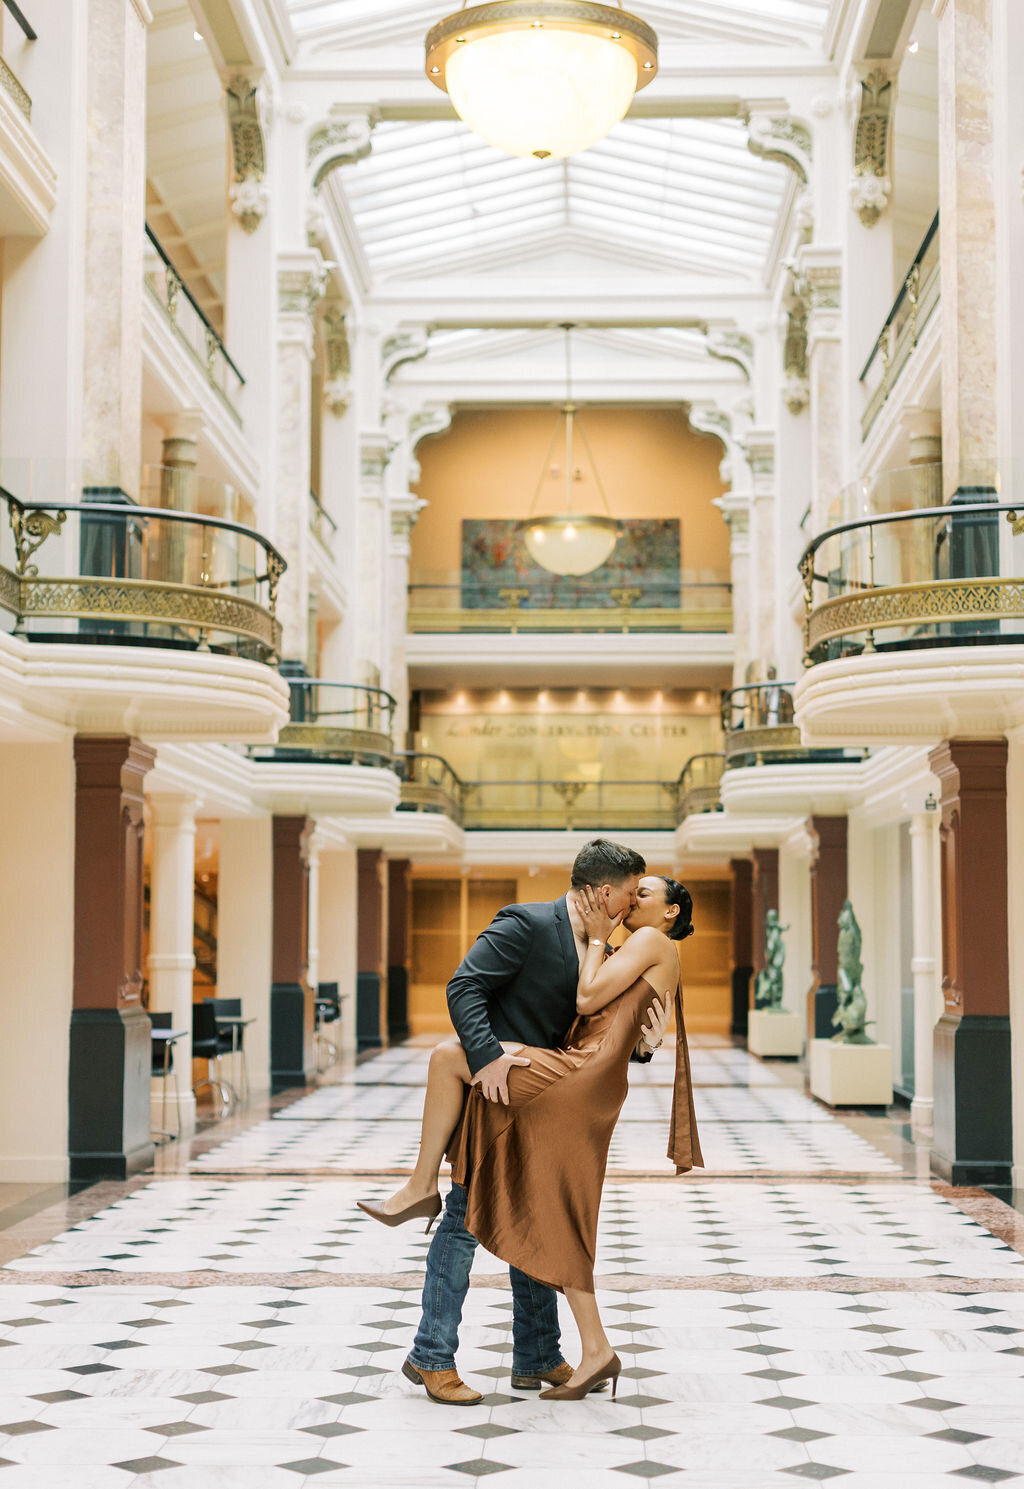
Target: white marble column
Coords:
[[314, 845], [759, 448], [795, 914], [114, 188], [926, 963], [968, 233], [735, 508], [300, 282], [179, 458], [371, 657], [171, 958], [820, 271], [245, 894], [338, 936]]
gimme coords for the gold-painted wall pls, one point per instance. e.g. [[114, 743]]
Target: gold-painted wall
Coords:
[[450, 911], [650, 463]]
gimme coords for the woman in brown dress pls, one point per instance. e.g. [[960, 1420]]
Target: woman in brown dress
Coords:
[[534, 1169]]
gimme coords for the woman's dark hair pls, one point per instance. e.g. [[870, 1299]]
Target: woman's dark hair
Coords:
[[604, 862], [678, 894]]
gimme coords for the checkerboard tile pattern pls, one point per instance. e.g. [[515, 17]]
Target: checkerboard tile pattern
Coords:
[[749, 1122], [879, 1341]]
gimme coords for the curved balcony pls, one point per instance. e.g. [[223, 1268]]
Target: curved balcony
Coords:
[[429, 785], [901, 580], [602, 806], [915, 618], [338, 723], [566, 604], [699, 788], [116, 573], [758, 723]]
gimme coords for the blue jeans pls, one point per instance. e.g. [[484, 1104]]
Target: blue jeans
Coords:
[[535, 1331]]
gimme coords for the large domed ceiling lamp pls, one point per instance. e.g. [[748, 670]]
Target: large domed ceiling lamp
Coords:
[[569, 542], [541, 77]]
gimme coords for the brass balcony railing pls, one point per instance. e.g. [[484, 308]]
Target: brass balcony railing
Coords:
[[114, 571], [699, 788], [759, 729], [321, 524], [940, 576], [335, 722], [569, 605], [191, 324], [593, 806], [429, 785], [912, 309], [9, 82]]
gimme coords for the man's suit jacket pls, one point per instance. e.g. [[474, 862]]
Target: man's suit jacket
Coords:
[[518, 982]]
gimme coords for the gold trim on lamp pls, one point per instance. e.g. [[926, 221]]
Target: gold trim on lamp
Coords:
[[597, 88]]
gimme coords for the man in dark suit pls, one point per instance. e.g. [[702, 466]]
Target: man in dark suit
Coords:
[[517, 983]]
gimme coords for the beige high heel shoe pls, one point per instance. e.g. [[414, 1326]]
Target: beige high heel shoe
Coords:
[[608, 1371], [429, 1208]]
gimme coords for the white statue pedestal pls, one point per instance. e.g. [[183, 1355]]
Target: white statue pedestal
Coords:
[[780, 1034], [851, 1074]]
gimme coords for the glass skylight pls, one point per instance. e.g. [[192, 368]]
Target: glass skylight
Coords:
[[684, 191]]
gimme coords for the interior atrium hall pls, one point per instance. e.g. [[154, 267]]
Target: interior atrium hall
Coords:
[[430, 443]]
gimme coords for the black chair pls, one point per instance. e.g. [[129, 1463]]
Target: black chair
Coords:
[[231, 1036], [328, 1011], [206, 1046], [162, 1067]]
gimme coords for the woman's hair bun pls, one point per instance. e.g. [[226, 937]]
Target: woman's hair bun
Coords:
[[678, 894]]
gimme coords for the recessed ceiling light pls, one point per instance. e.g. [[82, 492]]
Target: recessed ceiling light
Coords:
[[913, 46], [197, 36]]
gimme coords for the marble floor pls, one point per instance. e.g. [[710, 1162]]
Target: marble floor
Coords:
[[809, 1306]]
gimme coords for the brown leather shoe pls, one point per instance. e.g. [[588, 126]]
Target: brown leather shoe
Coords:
[[443, 1386], [556, 1377]]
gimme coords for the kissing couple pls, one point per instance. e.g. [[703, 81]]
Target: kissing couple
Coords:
[[524, 1103]]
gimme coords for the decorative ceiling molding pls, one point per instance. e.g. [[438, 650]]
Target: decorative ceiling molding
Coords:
[[407, 344], [733, 346]]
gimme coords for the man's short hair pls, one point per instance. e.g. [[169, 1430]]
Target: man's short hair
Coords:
[[602, 862]]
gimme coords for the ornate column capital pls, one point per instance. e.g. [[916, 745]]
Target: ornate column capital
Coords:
[[873, 96], [759, 448], [781, 138], [301, 280], [735, 508], [375, 450], [404, 509], [339, 141], [247, 193], [795, 383], [819, 285], [430, 418]]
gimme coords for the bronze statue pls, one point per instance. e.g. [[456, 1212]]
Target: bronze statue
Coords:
[[768, 991], [853, 1005]]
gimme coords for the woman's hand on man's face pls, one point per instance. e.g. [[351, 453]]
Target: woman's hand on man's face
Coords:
[[593, 911]]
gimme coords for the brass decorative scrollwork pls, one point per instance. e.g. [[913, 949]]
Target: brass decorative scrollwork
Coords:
[[915, 604], [31, 530], [275, 568]]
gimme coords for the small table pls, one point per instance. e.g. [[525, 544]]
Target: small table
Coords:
[[166, 1037], [236, 1022]]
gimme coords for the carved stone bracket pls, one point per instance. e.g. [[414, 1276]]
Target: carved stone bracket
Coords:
[[247, 193], [432, 418], [338, 380], [733, 346], [759, 448], [338, 142], [407, 344], [870, 186], [783, 139], [375, 450], [404, 509], [706, 419]]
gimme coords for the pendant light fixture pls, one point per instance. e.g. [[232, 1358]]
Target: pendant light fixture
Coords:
[[541, 77], [569, 543]]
